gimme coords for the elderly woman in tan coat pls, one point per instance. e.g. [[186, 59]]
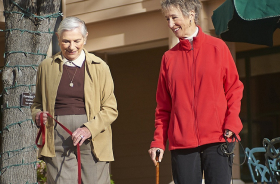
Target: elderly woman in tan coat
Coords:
[[76, 88]]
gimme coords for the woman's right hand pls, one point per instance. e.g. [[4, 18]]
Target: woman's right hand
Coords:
[[152, 153], [37, 118]]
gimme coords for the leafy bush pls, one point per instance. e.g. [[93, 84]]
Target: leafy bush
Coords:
[[112, 182], [41, 172]]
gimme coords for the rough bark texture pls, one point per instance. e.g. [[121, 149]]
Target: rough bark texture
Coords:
[[18, 150]]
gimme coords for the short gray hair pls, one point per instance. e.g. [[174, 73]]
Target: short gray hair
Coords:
[[184, 5], [71, 23]]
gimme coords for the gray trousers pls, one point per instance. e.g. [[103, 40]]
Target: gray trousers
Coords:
[[63, 168]]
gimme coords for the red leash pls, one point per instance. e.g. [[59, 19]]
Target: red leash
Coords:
[[43, 131]]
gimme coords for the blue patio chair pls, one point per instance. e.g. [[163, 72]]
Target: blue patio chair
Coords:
[[272, 157], [255, 167]]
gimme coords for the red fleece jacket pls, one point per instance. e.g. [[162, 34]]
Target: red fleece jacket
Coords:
[[198, 94]]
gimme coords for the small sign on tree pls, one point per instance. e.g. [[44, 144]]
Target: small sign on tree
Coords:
[[27, 99]]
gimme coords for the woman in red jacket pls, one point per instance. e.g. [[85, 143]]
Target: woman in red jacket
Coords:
[[198, 100]]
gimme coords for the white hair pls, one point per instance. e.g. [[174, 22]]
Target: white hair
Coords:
[[184, 5], [71, 23]]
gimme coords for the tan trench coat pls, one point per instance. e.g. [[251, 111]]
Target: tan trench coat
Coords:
[[100, 102]]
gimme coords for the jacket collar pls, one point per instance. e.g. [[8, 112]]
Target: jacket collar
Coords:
[[197, 41], [90, 58]]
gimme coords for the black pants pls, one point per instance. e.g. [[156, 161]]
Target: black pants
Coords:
[[188, 165]]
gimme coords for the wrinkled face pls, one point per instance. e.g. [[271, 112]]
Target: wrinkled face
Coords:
[[71, 43], [179, 23]]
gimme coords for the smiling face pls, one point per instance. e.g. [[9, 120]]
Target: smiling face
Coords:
[[182, 26], [71, 43]]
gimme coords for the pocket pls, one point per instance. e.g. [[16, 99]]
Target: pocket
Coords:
[[218, 120], [172, 129]]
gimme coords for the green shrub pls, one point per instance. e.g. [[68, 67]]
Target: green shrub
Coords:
[[41, 172]]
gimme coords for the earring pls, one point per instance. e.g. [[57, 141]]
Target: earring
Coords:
[[190, 23]]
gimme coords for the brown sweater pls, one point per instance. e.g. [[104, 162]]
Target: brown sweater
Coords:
[[70, 100]]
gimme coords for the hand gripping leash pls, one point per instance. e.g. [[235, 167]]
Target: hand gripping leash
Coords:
[[42, 132]]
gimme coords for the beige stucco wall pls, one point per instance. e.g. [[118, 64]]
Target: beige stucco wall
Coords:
[[2, 35], [125, 24], [2, 19], [127, 31], [99, 10]]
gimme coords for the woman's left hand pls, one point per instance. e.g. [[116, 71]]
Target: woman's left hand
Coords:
[[228, 133], [80, 135]]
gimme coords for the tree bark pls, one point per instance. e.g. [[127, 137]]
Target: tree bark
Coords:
[[27, 41]]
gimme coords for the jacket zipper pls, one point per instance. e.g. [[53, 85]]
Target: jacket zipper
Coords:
[[194, 97]]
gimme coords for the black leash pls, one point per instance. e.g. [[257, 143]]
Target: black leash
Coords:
[[229, 151], [225, 147]]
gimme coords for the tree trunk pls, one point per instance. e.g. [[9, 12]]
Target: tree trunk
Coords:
[[28, 38]]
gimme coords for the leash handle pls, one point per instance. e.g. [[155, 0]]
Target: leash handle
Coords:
[[237, 140], [43, 131]]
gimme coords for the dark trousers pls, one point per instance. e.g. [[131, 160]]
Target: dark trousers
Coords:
[[188, 165]]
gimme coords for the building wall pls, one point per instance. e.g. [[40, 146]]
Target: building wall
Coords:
[[99, 10], [128, 32], [135, 76], [2, 40]]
